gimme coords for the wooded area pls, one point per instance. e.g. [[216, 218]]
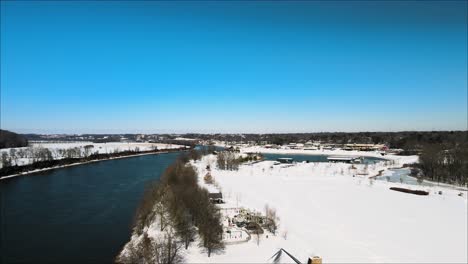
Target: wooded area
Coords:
[[403, 139], [445, 162], [176, 202]]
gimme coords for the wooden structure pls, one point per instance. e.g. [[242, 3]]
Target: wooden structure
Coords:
[[216, 197]]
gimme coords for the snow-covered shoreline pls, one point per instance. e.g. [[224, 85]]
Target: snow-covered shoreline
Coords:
[[326, 211], [80, 163], [26, 155], [79, 150]]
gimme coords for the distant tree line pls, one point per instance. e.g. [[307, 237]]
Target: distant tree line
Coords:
[[106, 139], [404, 139], [103, 138], [446, 163], [11, 140], [181, 208], [409, 140]]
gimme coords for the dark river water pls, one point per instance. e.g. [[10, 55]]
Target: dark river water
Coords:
[[80, 214]]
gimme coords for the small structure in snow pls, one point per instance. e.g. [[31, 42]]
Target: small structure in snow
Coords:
[[345, 159], [285, 160], [216, 197], [315, 260]]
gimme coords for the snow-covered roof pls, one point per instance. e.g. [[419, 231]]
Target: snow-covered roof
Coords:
[[282, 256]]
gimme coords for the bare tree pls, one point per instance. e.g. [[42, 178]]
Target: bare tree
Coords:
[[6, 161], [87, 150], [162, 250], [271, 219], [173, 248], [184, 226], [257, 236], [133, 254], [221, 160], [211, 231], [14, 159]]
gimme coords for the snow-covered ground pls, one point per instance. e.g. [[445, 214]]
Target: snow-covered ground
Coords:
[[25, 155], [325, 211], [399, 160]]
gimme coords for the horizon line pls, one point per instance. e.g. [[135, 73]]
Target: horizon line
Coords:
[[231, 133]]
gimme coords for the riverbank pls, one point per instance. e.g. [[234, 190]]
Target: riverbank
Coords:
[[93, 203], [14, 171], [61, 150]]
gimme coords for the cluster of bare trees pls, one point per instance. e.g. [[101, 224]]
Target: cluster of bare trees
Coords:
[[445, 163], [12, 157], [271, 219], [38, 154], [165, 249], [179, 205], [228, 161], [195, 154]]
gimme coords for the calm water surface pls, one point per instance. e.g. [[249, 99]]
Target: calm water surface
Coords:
[[80, 214]]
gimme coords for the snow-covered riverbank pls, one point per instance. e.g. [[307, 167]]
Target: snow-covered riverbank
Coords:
[[81, 163], [27, 155], [326, 211]]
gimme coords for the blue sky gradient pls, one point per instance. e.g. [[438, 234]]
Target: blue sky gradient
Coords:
[[116, 66]]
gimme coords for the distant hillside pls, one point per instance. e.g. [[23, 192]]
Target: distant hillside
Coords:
[[11, 140]]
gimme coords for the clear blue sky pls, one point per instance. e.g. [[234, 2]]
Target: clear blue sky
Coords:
[[115, 66]]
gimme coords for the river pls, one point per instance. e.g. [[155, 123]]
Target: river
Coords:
[[79, 214]]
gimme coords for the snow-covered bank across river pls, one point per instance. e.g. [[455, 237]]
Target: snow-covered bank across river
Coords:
[[84, 162], [27, 155], [325, 211], [38, 158]]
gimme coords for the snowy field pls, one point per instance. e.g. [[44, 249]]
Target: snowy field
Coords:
[[25, 155], [325, 211]]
